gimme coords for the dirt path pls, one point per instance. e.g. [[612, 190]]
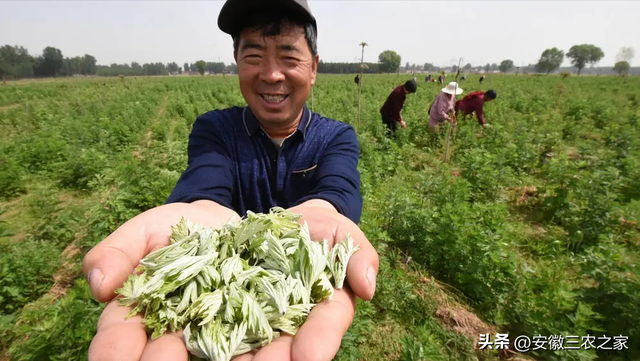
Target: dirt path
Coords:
[[9, 107], [455, 315], [172, 128], [452, 313], [66, 274], [163, 107]]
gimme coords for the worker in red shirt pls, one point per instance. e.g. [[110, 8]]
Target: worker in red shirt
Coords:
[[392, 107], [474, 102]]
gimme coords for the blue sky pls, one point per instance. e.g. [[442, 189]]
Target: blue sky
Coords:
[[480, 32]]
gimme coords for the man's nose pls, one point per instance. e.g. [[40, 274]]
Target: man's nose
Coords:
[[271, 71]]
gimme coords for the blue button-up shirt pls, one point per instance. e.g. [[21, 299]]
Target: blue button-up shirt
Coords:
[[232, 161]]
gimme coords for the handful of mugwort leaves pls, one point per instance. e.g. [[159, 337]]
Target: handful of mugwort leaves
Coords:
[[236, 288]]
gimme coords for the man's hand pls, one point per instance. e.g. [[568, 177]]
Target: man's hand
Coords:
[[108, 265], [403, 124], [320, 336]]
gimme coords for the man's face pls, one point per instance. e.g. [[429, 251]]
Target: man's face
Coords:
[[276, 74]]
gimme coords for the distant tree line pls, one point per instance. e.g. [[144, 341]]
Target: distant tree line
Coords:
[[581, 55], [17, 63], [347, 68], [133, 69]]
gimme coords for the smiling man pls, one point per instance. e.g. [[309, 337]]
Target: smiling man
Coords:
[[273, 152]]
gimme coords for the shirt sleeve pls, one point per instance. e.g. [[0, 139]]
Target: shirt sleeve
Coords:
[[338, 180], [209, 174]]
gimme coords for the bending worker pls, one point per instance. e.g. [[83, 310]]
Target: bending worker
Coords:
[[392, 107], [443, 104], [474, 102]]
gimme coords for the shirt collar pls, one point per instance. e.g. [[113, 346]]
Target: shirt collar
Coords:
[[252, 125]]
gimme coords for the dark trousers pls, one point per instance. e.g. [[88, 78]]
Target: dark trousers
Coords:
[[392, 126]]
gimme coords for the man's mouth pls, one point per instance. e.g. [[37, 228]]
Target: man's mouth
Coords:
[[274, 98]]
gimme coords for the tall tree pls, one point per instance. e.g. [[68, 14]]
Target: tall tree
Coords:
[[550, 60], [595, 55], [625, 54], [622, 67], [50, 63], [201, 65], [15, 62], [467, 67], [172, 67], [506, 65], [215, 67], [219, 67], [5, 66], [88, 65], [70, 66], [233, 68], [186, 67], [389, 61], [584, 54], [154, 69]]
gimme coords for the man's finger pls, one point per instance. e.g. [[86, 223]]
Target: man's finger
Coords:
[[363, 266], [320, 336], [168, 347], [279, 349], [362, 269], [118, 338]]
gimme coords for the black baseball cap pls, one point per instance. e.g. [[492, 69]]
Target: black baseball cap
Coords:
[[233, 11]]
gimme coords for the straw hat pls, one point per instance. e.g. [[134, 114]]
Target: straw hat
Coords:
[[452, 88]]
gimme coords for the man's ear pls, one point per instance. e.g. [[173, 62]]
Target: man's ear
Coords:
[[235, 56], [314, 69]]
